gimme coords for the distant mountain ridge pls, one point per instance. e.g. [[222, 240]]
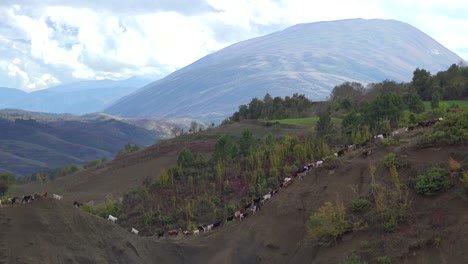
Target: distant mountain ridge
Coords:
[[76, 98], [307, 59], [31, 141]]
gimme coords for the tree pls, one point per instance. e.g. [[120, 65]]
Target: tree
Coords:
[[351, 122], [421, 82], [224, 148], [193, 127], [324, 127], [415, 104], [6, 180], [176, 131], [436, 97], [186, 158], [246, 142]]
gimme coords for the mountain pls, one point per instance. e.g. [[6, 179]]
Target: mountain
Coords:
[[76, 98], [306, 59], [30, 142], [10, 94]]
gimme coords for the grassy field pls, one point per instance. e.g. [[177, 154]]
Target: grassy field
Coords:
[[460, 103], [308, 121]]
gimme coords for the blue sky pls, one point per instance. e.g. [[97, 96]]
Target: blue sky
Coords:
[[48, 42]]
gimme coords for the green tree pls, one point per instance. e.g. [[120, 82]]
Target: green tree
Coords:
[[436, 97], [415, 104], [186, 158], [224, 149], [324, 127], [422, 82], [6, 181], [246, 143]]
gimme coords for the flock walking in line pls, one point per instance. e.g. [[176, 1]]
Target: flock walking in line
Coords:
[[255, 204]]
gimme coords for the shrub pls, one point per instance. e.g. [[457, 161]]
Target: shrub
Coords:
[[329, 221], [464, 180], [91, 164], [452, 130], [389, 160], [433, 181], [359, 205], [354, 259], [365, 244], [385, 260], [391, 226]]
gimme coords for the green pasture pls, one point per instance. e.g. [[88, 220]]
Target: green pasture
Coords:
[[461, 103], [307, 121]]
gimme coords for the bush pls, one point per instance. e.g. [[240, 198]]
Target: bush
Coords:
[[354, 259], [91, 164], [389, 160], [452, 130], [359, 205], [433, 181], [365, 244], [391, 226], [329, 221], [385, 260]]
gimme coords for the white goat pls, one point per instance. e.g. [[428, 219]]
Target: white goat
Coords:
[[111, 218]]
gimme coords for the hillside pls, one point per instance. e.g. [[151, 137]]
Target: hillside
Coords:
[[435, 232], [306, 59], [37, 141], [75, 98]]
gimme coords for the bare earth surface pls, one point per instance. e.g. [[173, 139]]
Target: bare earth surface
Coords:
[[51, 231]]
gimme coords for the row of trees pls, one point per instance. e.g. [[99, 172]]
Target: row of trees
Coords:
[[451, 84], [274, 108], [199, 189]]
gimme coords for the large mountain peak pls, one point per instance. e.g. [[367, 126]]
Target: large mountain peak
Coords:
[[307, 59]]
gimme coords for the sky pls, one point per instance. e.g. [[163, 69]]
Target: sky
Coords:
[[45, 43]]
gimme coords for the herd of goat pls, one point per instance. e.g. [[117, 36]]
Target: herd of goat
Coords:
[[256, 204]]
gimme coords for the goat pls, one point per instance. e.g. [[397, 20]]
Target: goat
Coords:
[[196, 232], [77, 204], [319, 163], [27, 198], [161, 234], [254, 209], [12, 200], [244, 215], [56, 196], [174, 232], [134, 231], [217, 224], [301, 175], [379, 136], [112, 218]]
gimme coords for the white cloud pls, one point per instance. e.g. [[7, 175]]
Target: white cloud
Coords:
[[106, 39], [21, 77], [46, 80]]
